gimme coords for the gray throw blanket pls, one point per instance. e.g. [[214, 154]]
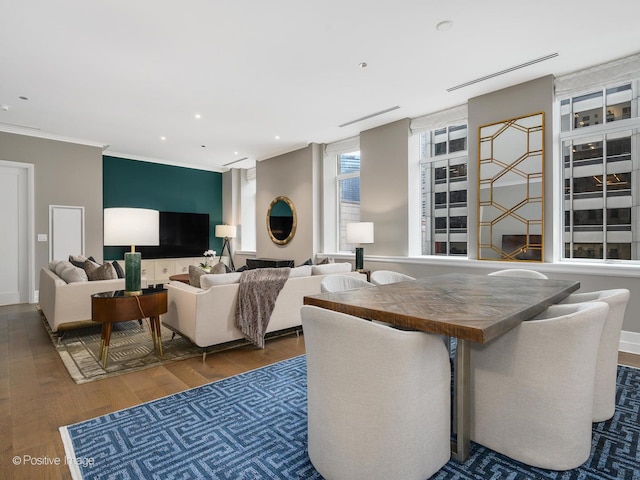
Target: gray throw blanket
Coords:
[[257, 295]]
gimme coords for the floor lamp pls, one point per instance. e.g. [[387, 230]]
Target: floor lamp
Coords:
[[226, 232], [131, 226]]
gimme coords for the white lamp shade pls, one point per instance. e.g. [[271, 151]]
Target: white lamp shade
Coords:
[[228, 231], [361, 232], [131, 226]]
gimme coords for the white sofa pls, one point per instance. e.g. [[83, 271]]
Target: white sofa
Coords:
[[68, 305], [206, 316]]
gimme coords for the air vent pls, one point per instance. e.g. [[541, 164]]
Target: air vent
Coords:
[[502, 72], [370, 116], [235, 161]]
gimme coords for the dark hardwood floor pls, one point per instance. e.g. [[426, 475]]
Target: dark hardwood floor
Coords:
[[37, 394]]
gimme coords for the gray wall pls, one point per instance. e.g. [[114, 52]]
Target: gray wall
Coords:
[[65, 174], [516, 101], [292, 175], [384, 181]]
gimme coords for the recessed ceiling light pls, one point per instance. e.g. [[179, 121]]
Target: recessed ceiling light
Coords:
[[203, 146], [277, 137], [362, 64], [163, 138], [444, 26], [5, 108], [23, 98], [198, 116], [235, 153]]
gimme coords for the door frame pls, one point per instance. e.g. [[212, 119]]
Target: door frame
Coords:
[[29, 169]]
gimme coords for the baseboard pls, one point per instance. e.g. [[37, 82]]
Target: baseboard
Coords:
[[36, 296], [629, 342]]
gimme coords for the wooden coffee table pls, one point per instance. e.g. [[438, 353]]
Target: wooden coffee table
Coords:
[[181, 277], [110, 307]]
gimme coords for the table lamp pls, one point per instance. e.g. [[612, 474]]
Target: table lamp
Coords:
[[360, 232], [131, 226], [226, 232]]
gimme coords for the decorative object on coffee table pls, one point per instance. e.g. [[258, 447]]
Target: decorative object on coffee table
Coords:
[[131, 226]]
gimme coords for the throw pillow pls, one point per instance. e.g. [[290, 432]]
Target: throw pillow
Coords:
[[194, 275], [219, 268], [119, 270], [325, 261], [74, 275], [242, 268], [62, 266], [77, 260], [100, 272], [307, 262]]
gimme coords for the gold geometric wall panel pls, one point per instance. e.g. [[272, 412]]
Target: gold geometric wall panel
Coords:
[[511, 190]]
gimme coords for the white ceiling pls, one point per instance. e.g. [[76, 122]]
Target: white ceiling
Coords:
[[125, 73]]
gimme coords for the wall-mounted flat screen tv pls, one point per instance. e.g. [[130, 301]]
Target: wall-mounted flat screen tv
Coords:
[[181, 235]]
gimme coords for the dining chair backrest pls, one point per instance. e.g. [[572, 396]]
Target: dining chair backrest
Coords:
[[384, 277], [532, 387], [604, 401], [378, 398], [338, 283], [518, 272]]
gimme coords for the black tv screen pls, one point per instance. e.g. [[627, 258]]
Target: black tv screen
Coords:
[[181, 235]]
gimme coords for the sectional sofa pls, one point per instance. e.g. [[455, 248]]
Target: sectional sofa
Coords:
[[206, 316]]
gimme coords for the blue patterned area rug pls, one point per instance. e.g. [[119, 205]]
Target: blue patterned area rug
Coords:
[[253, 426]]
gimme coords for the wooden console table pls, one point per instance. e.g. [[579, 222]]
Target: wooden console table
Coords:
[[110, 307]]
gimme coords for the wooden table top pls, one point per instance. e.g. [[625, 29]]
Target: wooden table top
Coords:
[[471, 307]]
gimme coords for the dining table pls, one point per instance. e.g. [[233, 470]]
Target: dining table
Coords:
[[472, 308]]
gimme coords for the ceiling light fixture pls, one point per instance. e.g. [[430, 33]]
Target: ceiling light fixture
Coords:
[[362, 64], [502, 72], [5, 108], [366, 117], [23, 98], [163, 138], [444, 26], [277, 137], [198, 116]]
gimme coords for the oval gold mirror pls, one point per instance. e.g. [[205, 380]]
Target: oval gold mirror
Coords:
[[281, 220]]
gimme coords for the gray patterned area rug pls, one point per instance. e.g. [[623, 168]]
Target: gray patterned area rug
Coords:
[[253, 426], [131, 349]]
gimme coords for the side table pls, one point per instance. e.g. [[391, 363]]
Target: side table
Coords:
[[110, 307]]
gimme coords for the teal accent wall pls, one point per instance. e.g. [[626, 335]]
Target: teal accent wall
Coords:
[[132, 183]]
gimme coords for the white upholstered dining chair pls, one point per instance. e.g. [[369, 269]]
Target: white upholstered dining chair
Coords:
[[604, 400], [532, 388], [378, 399], [338, 283], [384, 277], [518, 272]]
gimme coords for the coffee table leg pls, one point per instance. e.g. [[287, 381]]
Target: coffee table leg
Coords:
[[460, 449], [102, 337], [107, 340], [155, 321]]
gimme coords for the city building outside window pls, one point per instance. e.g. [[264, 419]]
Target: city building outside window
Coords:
[[600, 153], [348, 189], [443, 175]]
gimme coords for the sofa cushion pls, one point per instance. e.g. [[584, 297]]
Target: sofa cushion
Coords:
[[195, 273], [331, 268], [53, 264], [100, 272], [301, 271], [211, 279], [74, 275]]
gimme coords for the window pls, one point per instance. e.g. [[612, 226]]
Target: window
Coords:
[[443, 163], [348, 189], [600, 141]]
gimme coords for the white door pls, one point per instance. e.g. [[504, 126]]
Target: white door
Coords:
[[14, 259]]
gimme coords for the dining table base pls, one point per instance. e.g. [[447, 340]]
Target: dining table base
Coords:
[[461, 446]]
